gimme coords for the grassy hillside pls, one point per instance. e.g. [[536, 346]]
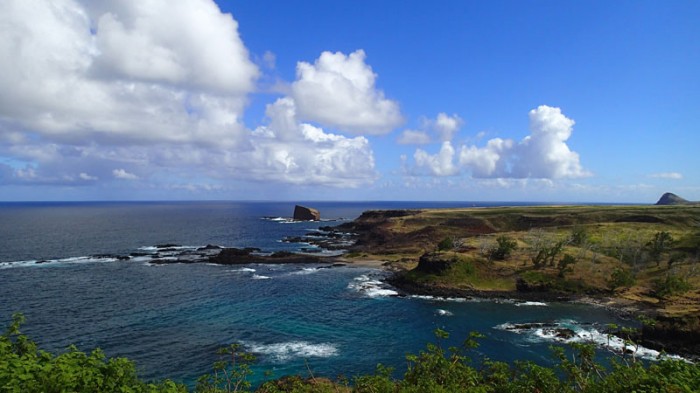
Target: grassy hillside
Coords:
[[644, 257]]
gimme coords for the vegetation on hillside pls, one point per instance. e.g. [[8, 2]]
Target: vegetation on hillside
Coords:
[[640, 258], [644, 254], [27, 369]]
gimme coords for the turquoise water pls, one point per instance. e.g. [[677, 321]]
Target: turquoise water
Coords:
[[170, 319]]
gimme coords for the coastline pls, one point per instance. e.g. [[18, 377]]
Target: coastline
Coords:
[[397, 241]]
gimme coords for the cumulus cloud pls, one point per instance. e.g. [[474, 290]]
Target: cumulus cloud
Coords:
[[107, 91], [86, 177], [414, 137], [667, 175], [296, 152], [446, 125], [123, 174], [127, 72], [440, 164], [543, 154], [339, 91], [442, 129]]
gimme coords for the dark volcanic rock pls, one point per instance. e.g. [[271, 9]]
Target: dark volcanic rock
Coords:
[[679, 335], [433, 263], [671, 199], [238, 256], [303, 213], [523, 286]]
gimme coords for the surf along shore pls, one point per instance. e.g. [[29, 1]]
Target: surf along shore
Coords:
[[642, 261]]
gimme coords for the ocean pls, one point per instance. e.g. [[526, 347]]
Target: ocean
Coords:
[[64, 266]]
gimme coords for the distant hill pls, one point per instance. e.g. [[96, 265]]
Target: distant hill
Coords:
[[670, 198]]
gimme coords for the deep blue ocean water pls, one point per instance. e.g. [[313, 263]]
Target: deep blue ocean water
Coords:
[[170, 319]]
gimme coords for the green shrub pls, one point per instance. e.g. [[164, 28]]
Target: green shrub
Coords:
[[621, 278], [671, 285], [24, 368], [446, 244], [504, 247]]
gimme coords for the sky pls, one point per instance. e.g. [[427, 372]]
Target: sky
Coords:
[[542, 101]]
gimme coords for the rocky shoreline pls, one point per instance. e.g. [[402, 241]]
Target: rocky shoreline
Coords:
[[365, 240]]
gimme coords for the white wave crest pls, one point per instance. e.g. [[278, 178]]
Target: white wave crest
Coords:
[[371, 287], [568, 331], [282, 352], [532, 304], [443, 299], [58, 262], [243, 270], [305, 271], [259, 277], [443, 313], [8, 265]]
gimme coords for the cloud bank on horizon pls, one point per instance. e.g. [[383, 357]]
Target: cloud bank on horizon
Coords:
[[106, 94]]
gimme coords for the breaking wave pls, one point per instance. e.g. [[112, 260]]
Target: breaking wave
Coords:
[[371, 287], [282, 352], [568, 331]]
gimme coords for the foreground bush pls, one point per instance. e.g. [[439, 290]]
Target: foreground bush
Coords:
[[25, 368]]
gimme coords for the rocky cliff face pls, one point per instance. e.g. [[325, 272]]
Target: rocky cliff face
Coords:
[[303, 213]]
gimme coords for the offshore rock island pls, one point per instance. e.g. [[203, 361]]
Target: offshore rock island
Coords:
[[643, 260]]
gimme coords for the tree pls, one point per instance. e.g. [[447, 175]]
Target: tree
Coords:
[[565, 263], [661, 242], [621, 278], [446, 244], [579, 236], [547, 254], [504, 247]]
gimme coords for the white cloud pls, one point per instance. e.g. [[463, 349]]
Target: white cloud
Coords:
[[339, 91], [667, 175], [86, 177], [446, 126], [543, 154], [440, 164], [443, 128], [123, 174], [294, 152], [101, 90], [187, 43], [129, 72], [413, 137], [486, 161], [269, 59]]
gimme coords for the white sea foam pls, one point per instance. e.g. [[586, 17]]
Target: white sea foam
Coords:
[[243, 270], [305, 271], [532, 304], [443, 313], [538, 332], [8, 265], [282, 220], [282, 352], [259, 277], [58, 262], [441, 299], [371, 287]]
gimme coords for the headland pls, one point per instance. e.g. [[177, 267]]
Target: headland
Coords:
[[640, 260]]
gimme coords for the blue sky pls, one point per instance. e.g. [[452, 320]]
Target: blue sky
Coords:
[[589, 101]]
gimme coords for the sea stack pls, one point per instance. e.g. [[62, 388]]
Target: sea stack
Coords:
[[303, 213]]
